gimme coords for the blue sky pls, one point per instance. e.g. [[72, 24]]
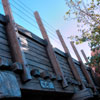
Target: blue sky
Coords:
[[52, 11]]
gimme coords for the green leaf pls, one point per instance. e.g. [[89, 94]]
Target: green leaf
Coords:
[[77, 42], [68, 12]]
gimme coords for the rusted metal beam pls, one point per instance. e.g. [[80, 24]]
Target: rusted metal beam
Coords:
[[12, 34], [81, 64], [69, 58], [50, 50]]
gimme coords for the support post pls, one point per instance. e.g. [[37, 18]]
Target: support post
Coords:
[[70, 60], [82, 65], [84, 56], [12, 33], [50, 50]]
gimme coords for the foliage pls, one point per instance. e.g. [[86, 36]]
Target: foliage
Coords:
[[87, 14]]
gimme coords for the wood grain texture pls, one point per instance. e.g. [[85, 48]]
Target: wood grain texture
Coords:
[[81, 64], [8, 85], [27, 42], [50, 50], [36, 54], [65, 67], [12, 34], [81, 73], [83, 94], [5, 52], [69, 58]]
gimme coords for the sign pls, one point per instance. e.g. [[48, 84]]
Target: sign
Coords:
[[46, 84]]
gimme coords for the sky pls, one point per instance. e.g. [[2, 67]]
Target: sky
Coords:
[[52, 14]]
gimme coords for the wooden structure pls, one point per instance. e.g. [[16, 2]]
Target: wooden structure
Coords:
[[35, 70], [81, 64]]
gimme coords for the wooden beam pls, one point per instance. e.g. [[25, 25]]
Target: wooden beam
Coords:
[[84, 55], [50, 50], [81, 64], [12, 34], [69, 58]]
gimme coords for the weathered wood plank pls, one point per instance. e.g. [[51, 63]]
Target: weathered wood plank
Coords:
[[84, 94], [28, 44], [4, 47], [69, 58], [63, 63], [35, 83], [91, 74], [5, 54], [31, 49], [65, 66], [41, 69], [35, 59], [11, 29], [82, 65], [76, 62], [2, 35], [61, 59], [6, 59], [39, 65], [28, 34], [68, 75], [59, 52], [68, 72], [27, 40], [83, 53], [50, 50], [80, 73], [91, 77], [8, 85], [3, 41], [61, 56], [36, 55], [2, 30]]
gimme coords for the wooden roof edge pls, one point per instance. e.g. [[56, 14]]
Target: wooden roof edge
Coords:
[[64, 55], [30, 35], [59, 52]]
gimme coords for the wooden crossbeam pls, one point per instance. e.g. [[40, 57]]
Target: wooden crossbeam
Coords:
[[82, 65], [50, 50], [69, 58], [12, 33]]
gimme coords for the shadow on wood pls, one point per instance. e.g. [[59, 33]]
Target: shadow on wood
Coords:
[[83, 94]]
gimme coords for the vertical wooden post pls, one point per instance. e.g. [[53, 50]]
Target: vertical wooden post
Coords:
[[50, 51], [84, 56], [70, 61], [13, 40], [82, 65]]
